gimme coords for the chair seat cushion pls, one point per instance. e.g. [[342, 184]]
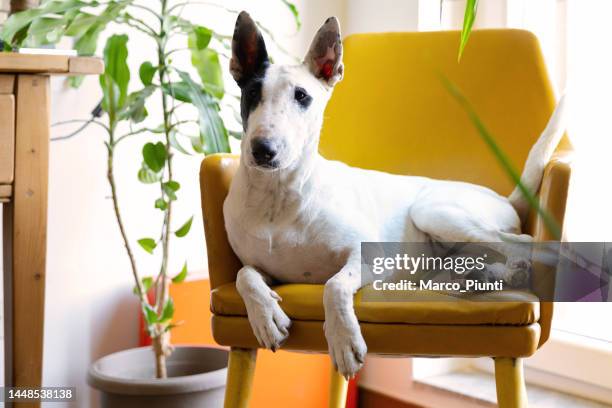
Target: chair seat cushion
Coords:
[[305, 302]]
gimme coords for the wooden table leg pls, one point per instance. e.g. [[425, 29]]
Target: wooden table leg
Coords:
[[28, 211]]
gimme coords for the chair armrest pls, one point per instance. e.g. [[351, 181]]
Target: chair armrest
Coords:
[[553, 194], [216, 173], [553, 198]]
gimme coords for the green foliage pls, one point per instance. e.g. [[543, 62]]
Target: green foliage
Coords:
[[184, 230], [213, 134], [154, 156], [296, 15], [116, 77], [148, 244], [181, 275], [170, 188], [167, 312], [206, 61], [146, 72], [471, 7], [147, 283]]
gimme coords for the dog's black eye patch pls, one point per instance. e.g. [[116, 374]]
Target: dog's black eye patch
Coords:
[[251, 97], [302, 97]]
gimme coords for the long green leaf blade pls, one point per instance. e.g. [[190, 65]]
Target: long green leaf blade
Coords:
[[471, 7], [212, 129]]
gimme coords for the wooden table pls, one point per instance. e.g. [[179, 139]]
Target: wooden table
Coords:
[[24, 165]]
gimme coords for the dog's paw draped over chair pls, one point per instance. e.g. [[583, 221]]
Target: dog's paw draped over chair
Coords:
[[392, 113]]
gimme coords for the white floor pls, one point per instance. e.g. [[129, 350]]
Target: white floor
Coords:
[[481, 385]]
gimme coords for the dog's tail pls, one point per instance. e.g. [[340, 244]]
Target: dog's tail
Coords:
[[537, 159]]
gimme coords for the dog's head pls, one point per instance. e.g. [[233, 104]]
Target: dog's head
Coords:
[[281, 105]]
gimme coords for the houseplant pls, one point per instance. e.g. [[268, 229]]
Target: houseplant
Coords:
[[177, 92]]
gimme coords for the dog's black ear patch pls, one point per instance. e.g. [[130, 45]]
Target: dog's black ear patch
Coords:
[[249, 55], [324, 58]]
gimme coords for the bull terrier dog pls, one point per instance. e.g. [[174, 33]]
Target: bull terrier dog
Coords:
[[294, 217]]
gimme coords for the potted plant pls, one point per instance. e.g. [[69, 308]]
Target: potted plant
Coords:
[[185, 376]]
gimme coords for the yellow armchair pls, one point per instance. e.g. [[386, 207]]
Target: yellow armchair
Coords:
[[392, 113]]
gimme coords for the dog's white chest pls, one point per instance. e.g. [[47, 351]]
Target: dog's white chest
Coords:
[[289, 255]]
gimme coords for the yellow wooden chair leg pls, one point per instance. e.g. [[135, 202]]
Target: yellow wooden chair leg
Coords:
[[510, 383], [240, 377], [337, 390]]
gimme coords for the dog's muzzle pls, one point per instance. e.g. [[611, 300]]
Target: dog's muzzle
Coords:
[[264, 151]]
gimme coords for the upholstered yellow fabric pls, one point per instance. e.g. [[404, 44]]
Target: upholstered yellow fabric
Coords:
[[392, 113], [305, 302]]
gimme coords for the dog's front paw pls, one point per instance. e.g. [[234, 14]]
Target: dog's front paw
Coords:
[[347, 349], [269, 322]]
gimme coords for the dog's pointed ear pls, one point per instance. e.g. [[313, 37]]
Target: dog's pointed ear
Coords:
[[324, 58], [249, 55]]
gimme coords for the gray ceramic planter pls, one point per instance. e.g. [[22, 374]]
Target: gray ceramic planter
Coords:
[[196, 378]]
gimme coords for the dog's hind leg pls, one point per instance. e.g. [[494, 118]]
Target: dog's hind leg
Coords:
[[448, 223], [269, 322], [347, 348]]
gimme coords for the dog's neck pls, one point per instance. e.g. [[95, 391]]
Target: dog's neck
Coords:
[[279, 196]]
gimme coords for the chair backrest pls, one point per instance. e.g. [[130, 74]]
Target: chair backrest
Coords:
[[391, 112]]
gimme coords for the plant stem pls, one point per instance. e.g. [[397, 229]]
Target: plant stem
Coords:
[[161, 342], [115, 198]]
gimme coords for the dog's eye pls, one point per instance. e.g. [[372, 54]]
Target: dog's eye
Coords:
[[302, 97], [253, 92]]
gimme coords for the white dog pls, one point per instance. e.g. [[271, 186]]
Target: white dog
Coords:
[[293, 216]]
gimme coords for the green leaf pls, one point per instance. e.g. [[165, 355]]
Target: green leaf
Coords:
[[147, 72], [181, 275], [173, 325], [87, 43], [236, 134], [15, 28], [154, 156], [184, 230], [148, 244], [148, 176], [197, 144], [201, 36], [150, 316], [178, 90], [80, 24], [134, 108], [206, 62], [175, 143], [170, 188], [213, 134], [147, 282], [172, 21], [161, 204], [295, 12], [500, 155], [45, 30], [116, 77], [76, 81], [167, 312], [471, 7]]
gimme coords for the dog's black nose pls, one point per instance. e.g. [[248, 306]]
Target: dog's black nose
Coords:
[[264, 151]]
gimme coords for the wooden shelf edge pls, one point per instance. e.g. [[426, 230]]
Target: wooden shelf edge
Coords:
[[11, 62], [6, 191]]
